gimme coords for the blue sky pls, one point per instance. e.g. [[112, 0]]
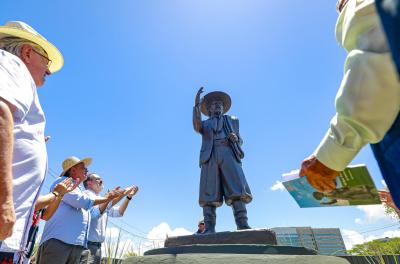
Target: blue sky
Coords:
[[132, 69]]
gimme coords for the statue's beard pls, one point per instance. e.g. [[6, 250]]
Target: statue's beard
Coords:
[[218, 113]]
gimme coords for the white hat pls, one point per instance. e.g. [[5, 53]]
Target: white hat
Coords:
[[22, 30]]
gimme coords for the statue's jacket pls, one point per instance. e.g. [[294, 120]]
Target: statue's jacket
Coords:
[[207, 133]]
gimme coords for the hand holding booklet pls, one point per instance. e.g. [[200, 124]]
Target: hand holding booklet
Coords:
[[354, 186]]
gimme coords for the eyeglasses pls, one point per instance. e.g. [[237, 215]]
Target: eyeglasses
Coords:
[[47, 59], [100, 181]]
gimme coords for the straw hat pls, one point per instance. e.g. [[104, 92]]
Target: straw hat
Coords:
[[217, 95], [68, 163], [22, 30]]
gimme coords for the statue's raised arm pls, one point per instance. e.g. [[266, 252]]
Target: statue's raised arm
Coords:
[[197, 111]]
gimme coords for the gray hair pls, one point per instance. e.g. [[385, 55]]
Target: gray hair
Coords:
[[89, 177], [14, 45]]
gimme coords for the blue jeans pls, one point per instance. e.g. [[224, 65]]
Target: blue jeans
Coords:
[[389, 11], [387, 154]]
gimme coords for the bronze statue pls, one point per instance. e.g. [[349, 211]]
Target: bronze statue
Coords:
[[221, 176]]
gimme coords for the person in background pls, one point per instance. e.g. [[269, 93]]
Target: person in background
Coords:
[[45, 207], [65, 233], [94, 185], [200, 227]]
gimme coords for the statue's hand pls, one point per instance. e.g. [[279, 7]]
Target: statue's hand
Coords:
[[199, 92], [233, 137]]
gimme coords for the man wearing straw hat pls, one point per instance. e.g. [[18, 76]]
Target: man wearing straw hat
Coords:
[[65, 234], [221, 176], [26, 58]]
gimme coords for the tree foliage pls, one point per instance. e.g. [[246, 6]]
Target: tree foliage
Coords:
[[377, 248], [391, 212]]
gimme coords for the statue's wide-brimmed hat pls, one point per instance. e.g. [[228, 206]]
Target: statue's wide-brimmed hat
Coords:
[[70, 162], [22, 30], [213, 96]]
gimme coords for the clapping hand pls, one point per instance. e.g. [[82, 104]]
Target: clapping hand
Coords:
[[116, 192], [132, 191], [65, 186]]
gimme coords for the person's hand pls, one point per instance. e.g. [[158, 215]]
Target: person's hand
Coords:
[[128, 189], [7, 219], [133, 191], [199, 92], [116, 192], [65, 186], [386, 198], [233, 137], [318, 175]]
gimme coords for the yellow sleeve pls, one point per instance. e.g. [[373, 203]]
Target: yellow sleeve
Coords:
[[367, 104]]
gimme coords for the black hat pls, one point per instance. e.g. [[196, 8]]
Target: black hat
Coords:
[[217, 95]]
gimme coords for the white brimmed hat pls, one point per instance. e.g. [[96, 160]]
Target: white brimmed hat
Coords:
[[22, 30], [69, 162]]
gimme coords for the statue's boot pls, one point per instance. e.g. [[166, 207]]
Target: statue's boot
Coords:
[[209, 219], [240, 213]]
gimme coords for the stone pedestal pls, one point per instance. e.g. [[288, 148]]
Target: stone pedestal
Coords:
[[232, 249], [251, 236], [238, 247]]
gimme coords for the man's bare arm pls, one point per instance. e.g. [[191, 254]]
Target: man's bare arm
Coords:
[[52, 206], [7, 214], [124, 205]]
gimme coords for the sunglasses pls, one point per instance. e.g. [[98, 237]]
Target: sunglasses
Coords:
[[43, 56], [99, 181]]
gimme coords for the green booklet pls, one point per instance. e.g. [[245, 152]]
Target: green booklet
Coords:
[[354, 186]]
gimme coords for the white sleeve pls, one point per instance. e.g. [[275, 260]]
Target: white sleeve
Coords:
[[367, 104], [15, 83], [114, 212]]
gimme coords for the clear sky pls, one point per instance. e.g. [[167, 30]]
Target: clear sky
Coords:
[[125, 97]]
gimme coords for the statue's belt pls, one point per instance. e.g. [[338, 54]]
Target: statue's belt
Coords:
[[221, 142]]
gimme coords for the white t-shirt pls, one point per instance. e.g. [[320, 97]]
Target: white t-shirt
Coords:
[[29, 153]]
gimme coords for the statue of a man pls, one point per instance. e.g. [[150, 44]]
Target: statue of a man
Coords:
[[222, 176]]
